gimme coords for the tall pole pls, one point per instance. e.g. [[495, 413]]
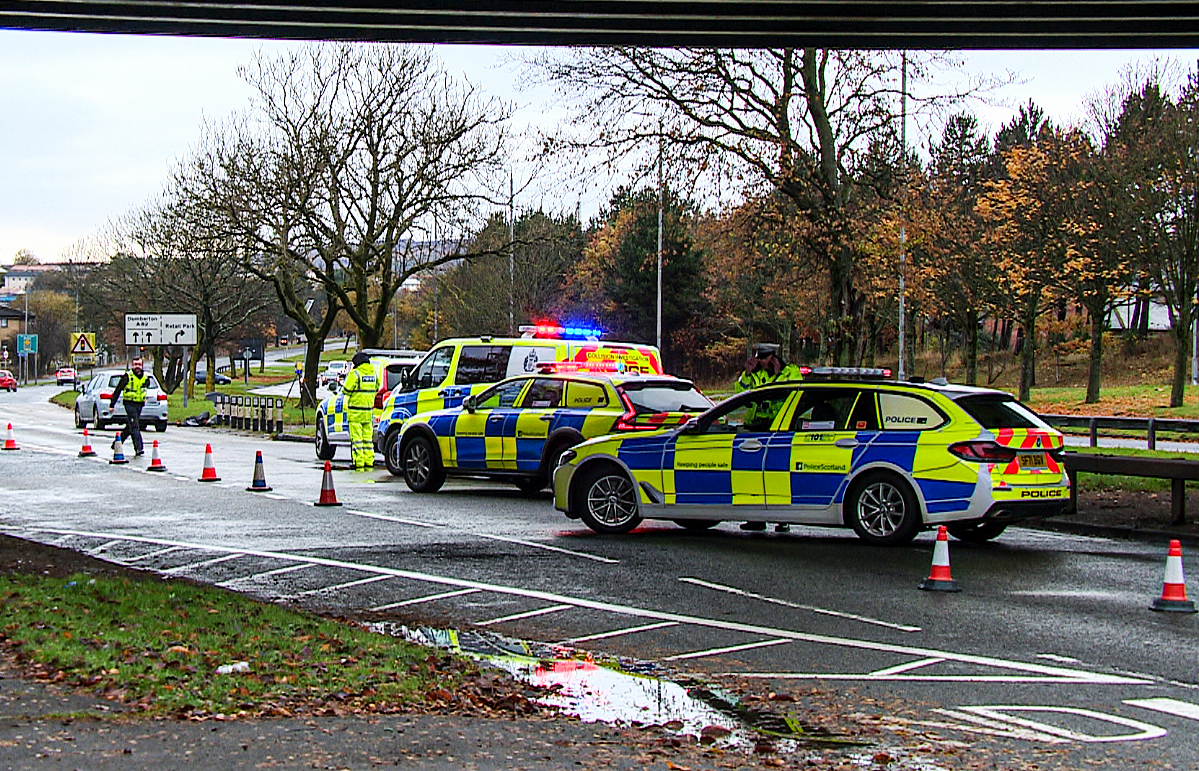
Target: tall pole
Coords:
[[511, 259], [903, 149], [661, 207]]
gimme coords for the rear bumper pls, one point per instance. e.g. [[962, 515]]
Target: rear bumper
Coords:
[[1007, 512]]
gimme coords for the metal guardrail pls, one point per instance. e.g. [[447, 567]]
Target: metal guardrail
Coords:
[[1177, 470], [249, 413], [1150, 426]]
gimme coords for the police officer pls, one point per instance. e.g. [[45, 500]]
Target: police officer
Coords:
[[133, 385], [359, 392], [764, 368]]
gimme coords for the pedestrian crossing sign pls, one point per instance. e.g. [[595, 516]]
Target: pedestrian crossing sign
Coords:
[[83, 343]]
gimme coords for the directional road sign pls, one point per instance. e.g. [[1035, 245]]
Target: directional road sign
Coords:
[[26, 344], [160, 329]]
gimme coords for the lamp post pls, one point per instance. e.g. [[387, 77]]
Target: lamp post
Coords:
[[903, 148]]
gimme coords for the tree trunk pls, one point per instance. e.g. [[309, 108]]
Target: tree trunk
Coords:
[[972, 347], [1182, 351], [1095, 369], [1028, 350]]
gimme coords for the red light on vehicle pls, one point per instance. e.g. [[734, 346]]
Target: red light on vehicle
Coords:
[[105, 396], [549, 367], [381, 396], [162, 397], [982, 451], [805, 370]]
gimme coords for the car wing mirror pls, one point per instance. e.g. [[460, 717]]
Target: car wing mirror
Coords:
[[470, 403]]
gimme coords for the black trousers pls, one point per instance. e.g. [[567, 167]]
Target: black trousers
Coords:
[[133, 424]]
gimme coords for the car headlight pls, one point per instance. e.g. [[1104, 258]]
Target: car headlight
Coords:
[[567, 457]]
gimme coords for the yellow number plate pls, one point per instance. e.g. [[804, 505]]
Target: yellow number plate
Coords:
[[1032, 461]]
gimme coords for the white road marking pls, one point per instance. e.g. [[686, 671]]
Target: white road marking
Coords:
[[825, 611], [1174, 707], [977, 725], [906, 667], [102, 547], [155, 553], [274, 496], [526, 614], [427, 598], [204, 564], [619, 632], [729, 649], [1000, 712], [1059, 659], [346, 585], [256, 576], [1030, 672], [505, 539], [1076, 676]]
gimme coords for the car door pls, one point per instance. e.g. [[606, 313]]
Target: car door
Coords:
[[822, 448], [427, 382], [481, 435], [721, 460], [540, 412], [477, 366]]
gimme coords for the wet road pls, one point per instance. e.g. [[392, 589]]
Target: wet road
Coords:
[[1049, 642]]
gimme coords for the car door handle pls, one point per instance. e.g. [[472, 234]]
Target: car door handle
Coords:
[[750, 445], [495, 418], [546, 418], [846, 443]]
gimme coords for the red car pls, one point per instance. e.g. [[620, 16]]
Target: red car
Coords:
[[7, 381]]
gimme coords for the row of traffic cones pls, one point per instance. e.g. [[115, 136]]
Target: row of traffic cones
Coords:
[[1173, 598]]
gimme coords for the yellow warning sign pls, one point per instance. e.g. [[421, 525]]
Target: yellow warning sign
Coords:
[[83, 343]]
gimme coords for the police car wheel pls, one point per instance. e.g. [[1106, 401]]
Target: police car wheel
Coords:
[[422, 468], [607, 501], [391, 454], [324, 450], [976, 532], [882, 510]]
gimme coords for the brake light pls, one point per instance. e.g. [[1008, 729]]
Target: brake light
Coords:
[[381, 396], [628, 421], [162, 397], [105, 396], [983, 451]]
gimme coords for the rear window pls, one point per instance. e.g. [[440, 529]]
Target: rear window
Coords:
[[482, 364], [113, 380], [999, 411], [394, 375], [661, 396]]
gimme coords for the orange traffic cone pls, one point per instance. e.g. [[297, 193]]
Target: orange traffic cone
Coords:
[[155, 461], [209, 474], [939, 579], [87, 451], [118, 452], [11, 442], [1174, 588], [328, 497], [259, 484]]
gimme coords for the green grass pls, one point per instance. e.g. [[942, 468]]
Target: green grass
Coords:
[[157, 645]]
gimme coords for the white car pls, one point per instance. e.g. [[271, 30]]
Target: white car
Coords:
[[334, 373], [91, 405]]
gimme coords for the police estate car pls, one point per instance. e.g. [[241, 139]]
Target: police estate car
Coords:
[[516, 429], [885, 458], [332, 419], [458, 367]]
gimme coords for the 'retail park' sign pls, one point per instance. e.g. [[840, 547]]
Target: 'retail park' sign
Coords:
[[160, 329]]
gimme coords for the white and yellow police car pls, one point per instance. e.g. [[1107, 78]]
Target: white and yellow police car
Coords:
[[516, 429], [332, 420], [457, 367], [885, 458]]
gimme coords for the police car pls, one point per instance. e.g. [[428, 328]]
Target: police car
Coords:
[[332, 419], [457, 367], [516, 429], [885, 458]]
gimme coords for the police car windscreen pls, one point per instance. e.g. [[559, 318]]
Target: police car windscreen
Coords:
[[999, 411], [665, 397]]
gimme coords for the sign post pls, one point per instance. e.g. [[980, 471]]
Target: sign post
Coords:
[[26, 345]]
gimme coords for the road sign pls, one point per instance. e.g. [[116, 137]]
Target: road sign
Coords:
[[26, 344], [160, 329], [83, 343]]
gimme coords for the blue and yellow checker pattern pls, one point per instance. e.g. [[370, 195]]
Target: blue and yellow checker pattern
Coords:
[[799, 469]]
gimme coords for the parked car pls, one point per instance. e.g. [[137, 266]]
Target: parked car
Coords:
[[91, 405], [7, 381], [333, 427], [220, 379], [65, 376], [334, 373]]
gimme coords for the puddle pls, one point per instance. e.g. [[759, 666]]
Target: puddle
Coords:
[[626, 693]]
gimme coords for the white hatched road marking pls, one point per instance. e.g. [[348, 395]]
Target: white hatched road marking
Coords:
[[1029, 672], [102, 547], [897, 670], [812, 608], [155, 553], [526, 614], [426, 598], [1174, 707], [346, 585], [487, 536], [728, 649], [205, 563], [1000, 712], [256, 576], [620, 632]]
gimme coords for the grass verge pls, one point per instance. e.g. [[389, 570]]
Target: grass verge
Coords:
[[157, 646]]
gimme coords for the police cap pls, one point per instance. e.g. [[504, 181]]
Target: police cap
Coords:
[[765, 350]]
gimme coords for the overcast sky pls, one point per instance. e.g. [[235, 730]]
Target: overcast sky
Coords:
[[90, 124]]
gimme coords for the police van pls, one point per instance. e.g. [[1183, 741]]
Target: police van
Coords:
[[332, 418], [458, 367]]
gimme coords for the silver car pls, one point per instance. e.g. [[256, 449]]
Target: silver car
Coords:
[[91, 405]]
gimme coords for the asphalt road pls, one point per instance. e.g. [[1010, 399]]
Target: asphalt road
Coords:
[[1050, 643]]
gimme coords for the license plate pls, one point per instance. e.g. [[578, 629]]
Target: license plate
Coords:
[[1032, 461]]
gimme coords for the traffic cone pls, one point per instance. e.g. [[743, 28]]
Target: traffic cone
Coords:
[[118, 452], [87, 451], [155, 461], [1174, 588], [11, 442], [328, 497], [259, 484], [939, 579], [209, 474]]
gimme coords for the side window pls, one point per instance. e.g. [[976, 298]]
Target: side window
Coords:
[[502, 395], [824, 409], [865, 413], [585, 395], [755, 413], [434, 368], [544, 393], [907, 413], [482, 364]]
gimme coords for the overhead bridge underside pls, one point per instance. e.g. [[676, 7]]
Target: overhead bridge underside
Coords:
[[716, 23]]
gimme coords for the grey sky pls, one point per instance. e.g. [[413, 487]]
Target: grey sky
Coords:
[[92, 123]]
